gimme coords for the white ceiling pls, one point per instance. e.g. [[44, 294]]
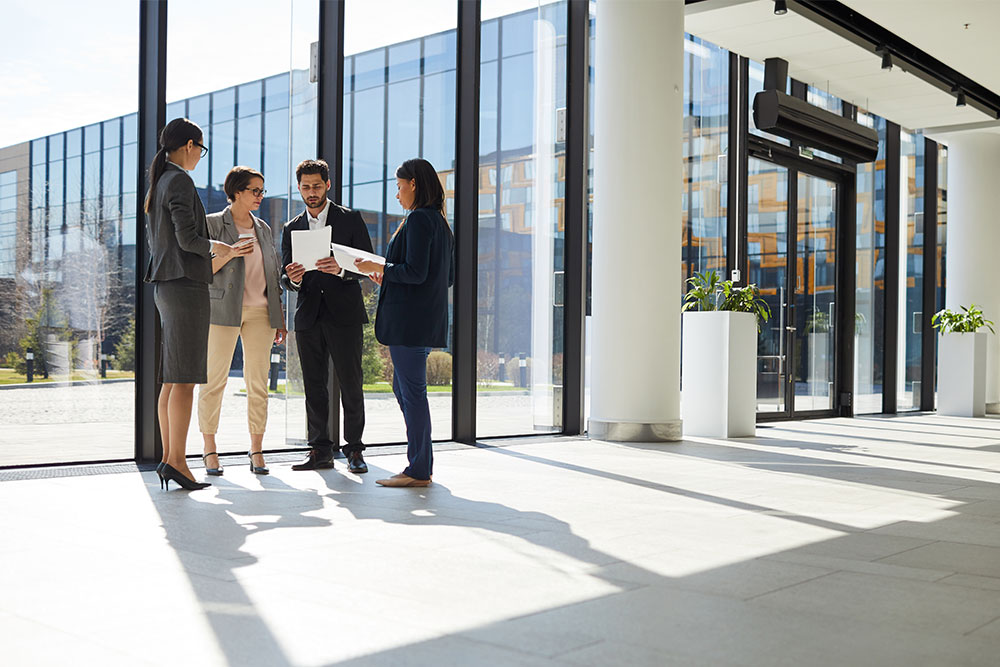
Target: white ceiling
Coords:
[[832, 63]]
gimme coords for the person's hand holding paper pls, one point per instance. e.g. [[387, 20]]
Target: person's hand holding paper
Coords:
[[309, 246], [346, 255]]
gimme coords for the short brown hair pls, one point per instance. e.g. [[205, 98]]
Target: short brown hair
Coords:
[[312, 167], [238, 179]]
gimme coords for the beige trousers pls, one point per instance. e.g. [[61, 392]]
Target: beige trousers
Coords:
[[257, 335]]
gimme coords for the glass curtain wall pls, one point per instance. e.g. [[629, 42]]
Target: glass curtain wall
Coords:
[[942, 245], [67, 235], [521, 226], [870, 277], [911, 270], [399, 103], [257, 108]]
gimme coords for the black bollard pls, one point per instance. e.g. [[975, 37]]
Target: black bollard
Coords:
[[524, 370], [502, 370], [104, 366], [275, 364], [29, 359]]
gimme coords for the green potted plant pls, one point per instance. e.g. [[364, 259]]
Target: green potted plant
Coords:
[[719, 356], [962, 360]]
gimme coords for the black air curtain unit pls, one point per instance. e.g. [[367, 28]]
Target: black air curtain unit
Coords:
[[795, 119]]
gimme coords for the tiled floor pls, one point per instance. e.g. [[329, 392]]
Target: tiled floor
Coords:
[[834, 542]]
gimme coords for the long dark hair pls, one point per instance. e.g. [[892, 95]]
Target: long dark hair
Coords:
[[429, 193], [176, 134]]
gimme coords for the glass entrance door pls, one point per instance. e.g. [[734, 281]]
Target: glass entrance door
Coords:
[[792, 258], [813, 304]]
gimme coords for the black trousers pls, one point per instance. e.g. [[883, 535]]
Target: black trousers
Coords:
[[316, 345]]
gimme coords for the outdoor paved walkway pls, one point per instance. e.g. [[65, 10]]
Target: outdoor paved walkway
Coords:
[[834, 542]]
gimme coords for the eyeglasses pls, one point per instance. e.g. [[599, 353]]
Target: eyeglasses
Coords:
[[204, 149], [256, 192]]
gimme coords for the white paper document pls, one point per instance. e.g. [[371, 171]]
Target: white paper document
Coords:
[[310, 246], [345, 256]]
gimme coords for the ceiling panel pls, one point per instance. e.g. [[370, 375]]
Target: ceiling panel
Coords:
[[831, 63]]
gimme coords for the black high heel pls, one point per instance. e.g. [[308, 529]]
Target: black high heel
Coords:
[[215, 472], [159, 472], [172, 473], [257, 470]]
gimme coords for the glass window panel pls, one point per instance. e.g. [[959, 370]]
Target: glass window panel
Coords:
[[439, 120], [112, 132], [911, 273], [74, 179], [129, 167], [56, 183], [198, 109], [38, 151], [223, 105], [91, 175], [369, 69], [112, 171], [488, 112], [248, 149], [261, 103], [440, 52], [404, 61], [177, 110], [130, 130], [92, 138], [56, 147], [403, 127], [520, 236], [488, 42], [74, 142], [369, 112], [276, 92], [250, 101]]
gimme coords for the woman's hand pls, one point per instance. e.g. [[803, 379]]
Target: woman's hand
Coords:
[[243, 248], [223, 251], [279, 336], [376, 278]]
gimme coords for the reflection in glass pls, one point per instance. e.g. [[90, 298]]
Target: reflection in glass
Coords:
[[911, 271], [767, 267]]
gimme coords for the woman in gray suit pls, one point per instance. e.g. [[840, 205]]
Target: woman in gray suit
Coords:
[[180, 268], [246, 304]]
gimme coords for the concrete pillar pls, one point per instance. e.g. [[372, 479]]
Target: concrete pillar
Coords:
[[973, 237], [635, 351]]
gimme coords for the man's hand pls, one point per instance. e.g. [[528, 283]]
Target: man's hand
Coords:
[[328, 265], [295, 272]]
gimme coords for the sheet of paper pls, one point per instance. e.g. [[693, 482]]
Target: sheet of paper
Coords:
[[345, 256], [310, 245]]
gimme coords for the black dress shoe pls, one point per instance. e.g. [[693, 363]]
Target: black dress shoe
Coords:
[[315, 461], [356, 463]]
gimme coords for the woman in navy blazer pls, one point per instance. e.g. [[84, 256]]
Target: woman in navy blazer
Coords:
[[412, 314]]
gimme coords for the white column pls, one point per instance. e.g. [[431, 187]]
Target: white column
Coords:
[[635, 353], [973, 273]]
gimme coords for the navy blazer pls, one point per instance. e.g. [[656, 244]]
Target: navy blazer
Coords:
[[419, 269], [341, 296], [177, 230]]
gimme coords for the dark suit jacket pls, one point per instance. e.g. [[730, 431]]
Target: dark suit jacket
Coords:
[[419, 269], [177, 230], [342, 296]]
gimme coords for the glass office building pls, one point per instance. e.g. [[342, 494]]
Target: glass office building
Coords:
[[68, 234]]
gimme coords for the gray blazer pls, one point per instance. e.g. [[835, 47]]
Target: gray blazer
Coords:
[[226, 288], [176, 230]]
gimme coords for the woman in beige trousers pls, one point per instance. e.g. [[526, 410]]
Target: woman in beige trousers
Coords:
[[246, 304]]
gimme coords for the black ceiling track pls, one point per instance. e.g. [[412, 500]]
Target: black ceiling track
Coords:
[[856, 28]]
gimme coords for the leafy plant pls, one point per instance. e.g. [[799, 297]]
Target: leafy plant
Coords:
[[708, 292], [745, 300], [818, 322], [969, 320], [703, 293]]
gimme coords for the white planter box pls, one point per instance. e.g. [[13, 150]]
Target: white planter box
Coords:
[[719, 390], [962, 374]]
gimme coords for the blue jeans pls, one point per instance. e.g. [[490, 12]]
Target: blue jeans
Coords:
[[409, 384]]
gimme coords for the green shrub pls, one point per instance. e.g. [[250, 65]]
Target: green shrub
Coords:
[[438, 368]]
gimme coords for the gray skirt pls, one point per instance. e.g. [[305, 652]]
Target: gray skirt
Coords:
[[185, 312]]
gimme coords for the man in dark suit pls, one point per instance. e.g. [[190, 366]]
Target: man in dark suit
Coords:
[[329, 317]]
